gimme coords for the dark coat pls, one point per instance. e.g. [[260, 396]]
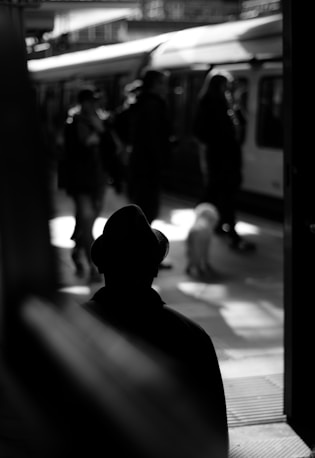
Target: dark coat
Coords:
[[179, 339], [149, 134], [216, 126], [84, 171], [150, 146]]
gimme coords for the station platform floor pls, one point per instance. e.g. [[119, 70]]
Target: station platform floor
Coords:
[[242, 310]]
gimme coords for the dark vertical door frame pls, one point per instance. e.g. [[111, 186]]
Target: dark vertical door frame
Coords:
[[299, 226], [27, 259]]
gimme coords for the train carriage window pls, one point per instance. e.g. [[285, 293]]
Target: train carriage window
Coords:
[[270, 113]]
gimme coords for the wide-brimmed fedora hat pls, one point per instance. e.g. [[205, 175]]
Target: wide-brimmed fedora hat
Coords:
[[129, 241]]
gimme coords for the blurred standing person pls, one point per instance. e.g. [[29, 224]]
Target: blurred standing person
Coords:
[[123, 114], [219, 129], [121, 122], [149, 142], [85, 176]]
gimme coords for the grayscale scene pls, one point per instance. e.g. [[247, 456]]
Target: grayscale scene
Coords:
[[155, 232]]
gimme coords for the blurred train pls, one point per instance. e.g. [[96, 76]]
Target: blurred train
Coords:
[[251, 50]]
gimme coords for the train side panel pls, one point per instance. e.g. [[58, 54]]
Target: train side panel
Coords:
[[259, 88], [263, 146], [252, 51], [228, 42]]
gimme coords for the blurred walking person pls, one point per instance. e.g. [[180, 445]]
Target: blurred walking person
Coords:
[[84, 175]]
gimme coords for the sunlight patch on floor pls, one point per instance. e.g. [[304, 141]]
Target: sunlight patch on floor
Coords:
[[99, 226], [249, 319], [182, 219], [76, 289], [172, 232], [244, 228], [204, 291], [61, 228], [243, 315]]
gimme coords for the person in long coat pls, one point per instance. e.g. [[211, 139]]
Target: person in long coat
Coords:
[[219, 129], [128, 254], [85, 176], [150, 135]]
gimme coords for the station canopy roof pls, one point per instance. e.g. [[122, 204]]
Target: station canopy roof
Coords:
[[230, 41], [42, 16]]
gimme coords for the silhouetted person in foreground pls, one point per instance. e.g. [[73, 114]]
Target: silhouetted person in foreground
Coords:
[[128, 254], [218, 126]]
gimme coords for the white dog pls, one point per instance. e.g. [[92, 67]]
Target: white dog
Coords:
[[199, 240]]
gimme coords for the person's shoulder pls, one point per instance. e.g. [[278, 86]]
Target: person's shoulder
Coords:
[[89, 305], [95, 307], [186, 324]]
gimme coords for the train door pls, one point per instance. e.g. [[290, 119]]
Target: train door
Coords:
[[269, 129], [259, 89], [184, 174], [299, 227]]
